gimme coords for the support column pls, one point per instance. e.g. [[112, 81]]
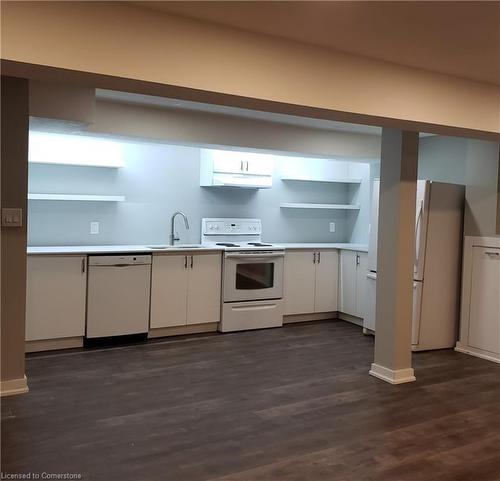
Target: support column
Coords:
[[395, 256], [14, 194]]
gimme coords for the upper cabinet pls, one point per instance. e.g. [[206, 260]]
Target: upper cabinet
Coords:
[[227, 168]]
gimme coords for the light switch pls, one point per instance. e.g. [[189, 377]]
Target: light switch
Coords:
[[332, 226], [12, 217], [94, 227]]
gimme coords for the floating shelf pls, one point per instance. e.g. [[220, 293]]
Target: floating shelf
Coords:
[[80, 163], [332, 181], [78, 197], [320, 206]]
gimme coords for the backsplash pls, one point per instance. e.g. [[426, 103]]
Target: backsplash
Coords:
[[158, 179]]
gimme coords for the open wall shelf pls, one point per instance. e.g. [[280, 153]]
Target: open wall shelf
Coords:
[[331, 181], [78, 197], [320, 206]]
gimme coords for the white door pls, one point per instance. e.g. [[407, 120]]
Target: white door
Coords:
[[227, 161], [348, 276], [258, 164], [204, 288], [327, 275], [55, 297], [300, 280], [371, 301], [484, 317], [361, 271], [169, 287], [372, 243]]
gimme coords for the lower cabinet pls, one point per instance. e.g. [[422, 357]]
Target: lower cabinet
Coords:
[[484, 328], [353, 269], [480, 304], [55, 297], [311, 281], [185, 289]]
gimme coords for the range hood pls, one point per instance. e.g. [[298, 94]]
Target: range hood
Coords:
[[228, 168]]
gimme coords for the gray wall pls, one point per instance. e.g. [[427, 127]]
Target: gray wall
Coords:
[[443, 159], [473, 163], [483, 189], [159, 179]]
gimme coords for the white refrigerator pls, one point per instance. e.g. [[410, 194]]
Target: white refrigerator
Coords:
[[437, 262]]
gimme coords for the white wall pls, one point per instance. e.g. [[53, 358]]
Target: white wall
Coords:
[[159, 179]]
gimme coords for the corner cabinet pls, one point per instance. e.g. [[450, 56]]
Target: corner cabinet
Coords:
[[480, 313], [353, 269], [55, 297], [185, 289], [311, 281]]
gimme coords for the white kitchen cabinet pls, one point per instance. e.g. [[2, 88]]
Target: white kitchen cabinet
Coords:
[[55, 297], [327, 275], [480, 307], [299, 282], [348, 277], [484, 329], [185, 289], [169, 282], [219, 168], [311, 281], [353, 269], [361, 281], [204, 289]]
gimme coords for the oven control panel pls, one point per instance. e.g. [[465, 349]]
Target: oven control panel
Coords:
[[218, 226]]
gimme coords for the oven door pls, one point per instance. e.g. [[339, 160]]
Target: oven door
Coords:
[[253, 276]]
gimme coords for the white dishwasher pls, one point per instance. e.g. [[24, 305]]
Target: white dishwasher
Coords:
[[118, 295]]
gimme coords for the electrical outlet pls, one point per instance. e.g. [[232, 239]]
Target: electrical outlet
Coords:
[[332, 226], [12, 217], [94, 227]]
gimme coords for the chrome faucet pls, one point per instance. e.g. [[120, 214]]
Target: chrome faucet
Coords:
[[173, 238]]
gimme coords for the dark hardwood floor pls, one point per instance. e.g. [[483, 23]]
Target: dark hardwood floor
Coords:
[[287, 404]]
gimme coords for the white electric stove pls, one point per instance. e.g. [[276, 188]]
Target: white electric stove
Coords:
[[252, 289]]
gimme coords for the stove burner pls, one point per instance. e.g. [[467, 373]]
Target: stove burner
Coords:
[[259, 244], [227, 244]]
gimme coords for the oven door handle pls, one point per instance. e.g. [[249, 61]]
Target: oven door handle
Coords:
[[254, 256]]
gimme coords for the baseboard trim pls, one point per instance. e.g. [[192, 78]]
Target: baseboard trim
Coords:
[[53, 344], [477, 353], [12, 387], [183, 330], [352, 319], [391, 376], [314, 316]]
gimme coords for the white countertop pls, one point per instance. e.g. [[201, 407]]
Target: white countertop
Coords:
[[120, 249], [115, 249], [326, 245]]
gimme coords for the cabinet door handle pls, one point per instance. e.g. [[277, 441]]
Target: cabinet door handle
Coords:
[[357, 260], [83, 265], [314, 258], [319, 257], [241, 165], [185, 262], [247, 165], [191, 262], [489, 253]]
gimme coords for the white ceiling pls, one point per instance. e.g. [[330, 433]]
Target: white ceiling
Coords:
[[162, 102]]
